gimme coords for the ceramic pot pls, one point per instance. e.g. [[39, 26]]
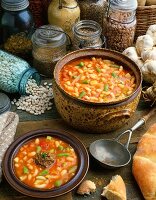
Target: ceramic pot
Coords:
[[96, 117]]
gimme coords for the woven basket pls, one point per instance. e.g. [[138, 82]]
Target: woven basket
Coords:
[[146, 16]]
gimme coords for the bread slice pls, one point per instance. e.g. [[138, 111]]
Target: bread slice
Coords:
[[116, 189], [144, 164]]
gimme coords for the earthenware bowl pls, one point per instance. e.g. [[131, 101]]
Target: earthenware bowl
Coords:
[[9, 173], [96, 117]]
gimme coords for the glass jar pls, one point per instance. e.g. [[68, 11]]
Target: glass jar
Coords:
[[64, 14], [49, 45], [15, 19], [120, 24], [93, 10], [87, 34], [15, 73]]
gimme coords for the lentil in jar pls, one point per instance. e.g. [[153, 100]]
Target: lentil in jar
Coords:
[[97, 80], [45, 162]]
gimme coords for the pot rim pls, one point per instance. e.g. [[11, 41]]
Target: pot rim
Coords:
[[91, 53]]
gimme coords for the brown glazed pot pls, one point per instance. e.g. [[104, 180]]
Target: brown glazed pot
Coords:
[[96, 117]]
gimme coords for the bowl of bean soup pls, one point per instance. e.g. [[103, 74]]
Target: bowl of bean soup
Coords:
[[96, 90], [45, 163]]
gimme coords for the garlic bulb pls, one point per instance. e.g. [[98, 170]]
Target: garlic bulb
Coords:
[[149, 54], [131, 53], [152, 32], [143, 42], [140, 63], [149, 71]]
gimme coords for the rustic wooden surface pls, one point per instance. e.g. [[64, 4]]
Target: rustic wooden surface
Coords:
[[96, 173]]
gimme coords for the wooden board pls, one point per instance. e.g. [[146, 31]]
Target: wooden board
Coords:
[[96, 173]]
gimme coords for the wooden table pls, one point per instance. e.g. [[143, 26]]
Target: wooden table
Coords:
[[96, 173]]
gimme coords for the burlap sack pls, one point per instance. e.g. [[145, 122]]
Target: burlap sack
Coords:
[[8, 124]]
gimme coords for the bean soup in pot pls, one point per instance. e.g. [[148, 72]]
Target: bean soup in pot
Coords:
[[95, 79]]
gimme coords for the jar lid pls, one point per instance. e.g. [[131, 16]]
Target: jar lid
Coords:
[[5, 103], [49, 35], [14, 5], [124, 4]]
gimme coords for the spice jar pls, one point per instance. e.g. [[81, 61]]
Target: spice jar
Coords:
[[87, 34], [64, 13], [93, 10], [49, 45], [15, 73], [15, 19], [120, 24]]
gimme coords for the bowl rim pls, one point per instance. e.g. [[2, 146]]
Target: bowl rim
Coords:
[[91, 53], [8, 171]]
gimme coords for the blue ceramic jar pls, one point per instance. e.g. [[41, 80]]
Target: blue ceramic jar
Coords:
[[14, 73]]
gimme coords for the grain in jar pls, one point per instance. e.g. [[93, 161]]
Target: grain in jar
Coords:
[[49, 45], [120, 24], [16, 24], [87, 34], [93, 10]]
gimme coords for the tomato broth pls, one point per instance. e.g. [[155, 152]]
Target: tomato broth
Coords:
[[45, 162], [97, 80]]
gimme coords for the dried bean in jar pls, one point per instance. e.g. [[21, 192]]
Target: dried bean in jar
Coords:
[[119, 24], [119, 36], [14, 73]]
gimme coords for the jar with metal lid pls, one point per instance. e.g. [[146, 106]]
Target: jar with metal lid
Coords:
[[93, 10], [87, 34], [15, 73], [49, 45], [15, 19], [120, 24]]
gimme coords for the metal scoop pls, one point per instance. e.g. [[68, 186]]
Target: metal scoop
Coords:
[[113, 154]]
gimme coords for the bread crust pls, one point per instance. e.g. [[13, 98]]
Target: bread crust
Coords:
[[144, 164], [115, 190]]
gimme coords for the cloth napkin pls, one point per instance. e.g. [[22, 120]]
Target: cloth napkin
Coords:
[[8, 124]]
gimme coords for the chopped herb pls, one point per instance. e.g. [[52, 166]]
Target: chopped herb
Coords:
[[74, 77], [98, 69], [38, 149], [114, 75], [44, 172], [106, 87], [44, 155], [115, 66], [81, 64], [83, 93], [63, 154], [25, 170], [85, 81], [60, 147], [49, 138], [58, 183]]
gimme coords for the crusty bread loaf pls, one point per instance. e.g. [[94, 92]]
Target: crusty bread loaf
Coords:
[[115, 190], [144, 164]]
